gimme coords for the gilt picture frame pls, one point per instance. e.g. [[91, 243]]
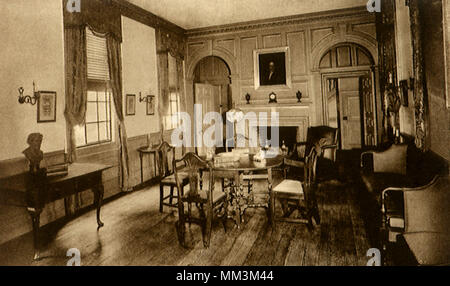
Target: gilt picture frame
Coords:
[[46, 109], [272, 68]]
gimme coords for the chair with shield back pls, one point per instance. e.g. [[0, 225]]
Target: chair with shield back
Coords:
[[166, 157], [297, 193], [207, 200]]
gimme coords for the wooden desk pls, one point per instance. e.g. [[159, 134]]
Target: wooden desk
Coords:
[[35, 191], [147, 150]]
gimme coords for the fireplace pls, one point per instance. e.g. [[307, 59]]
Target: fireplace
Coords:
[[288, 134]]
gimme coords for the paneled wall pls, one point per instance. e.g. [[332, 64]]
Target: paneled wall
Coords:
[[308, 38]]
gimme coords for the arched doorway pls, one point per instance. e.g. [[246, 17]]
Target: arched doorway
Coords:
[[348, 93], [212, 90]]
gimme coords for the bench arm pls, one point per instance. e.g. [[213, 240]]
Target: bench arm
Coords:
[[363, 155]]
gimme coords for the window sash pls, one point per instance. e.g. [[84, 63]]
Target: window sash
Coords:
[[102, 135]]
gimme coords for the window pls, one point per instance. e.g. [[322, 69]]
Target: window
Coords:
[[98, 127], [174, 108], [174, 95]]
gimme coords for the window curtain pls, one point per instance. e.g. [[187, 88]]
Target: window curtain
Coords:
[[115, 72], [76, 84], [163, 79], [168, 43], [420, 96], [181, 92]]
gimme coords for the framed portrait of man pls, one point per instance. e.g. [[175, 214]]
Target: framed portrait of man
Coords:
[[272, 68]]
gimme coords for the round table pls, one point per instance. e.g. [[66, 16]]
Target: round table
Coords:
[[244, 170]]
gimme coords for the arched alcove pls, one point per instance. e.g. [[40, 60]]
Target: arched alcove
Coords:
[[369, 44], [349, 93], [346, 55]]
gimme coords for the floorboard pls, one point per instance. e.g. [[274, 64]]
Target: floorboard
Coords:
[[135, 233]]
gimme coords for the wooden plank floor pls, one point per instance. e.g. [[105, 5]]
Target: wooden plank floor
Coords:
[[135, 233]]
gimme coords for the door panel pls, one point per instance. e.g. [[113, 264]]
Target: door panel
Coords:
[[332, 112], [350, 115], [209, 96]]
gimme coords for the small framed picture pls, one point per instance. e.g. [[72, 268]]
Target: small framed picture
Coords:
[[150, 105], [46, 106], [130, 106]]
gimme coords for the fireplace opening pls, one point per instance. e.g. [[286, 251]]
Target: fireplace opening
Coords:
[[287, 134]]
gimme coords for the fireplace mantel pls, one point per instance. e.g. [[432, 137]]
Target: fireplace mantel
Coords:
[[294, 115]]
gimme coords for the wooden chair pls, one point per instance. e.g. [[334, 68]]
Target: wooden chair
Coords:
[[324, 137], [424, 220], [207, 200], [166, 157], [298, 195], [325, 140]]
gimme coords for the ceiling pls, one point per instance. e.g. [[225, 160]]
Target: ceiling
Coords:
[[192, 14]]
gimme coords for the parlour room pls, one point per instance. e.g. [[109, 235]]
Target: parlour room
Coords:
[[225, 133]]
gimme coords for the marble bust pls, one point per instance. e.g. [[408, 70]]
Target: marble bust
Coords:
[[33, 153]]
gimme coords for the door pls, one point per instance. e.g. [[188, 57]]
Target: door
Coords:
[[209, 96], [350, 112]]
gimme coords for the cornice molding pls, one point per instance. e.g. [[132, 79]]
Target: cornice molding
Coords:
[[145, 17], [283, 21]]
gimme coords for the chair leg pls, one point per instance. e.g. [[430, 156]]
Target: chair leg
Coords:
[[225, 214], [207, 225], [161, 198], [271, 211], [171, 195], [316, 216]]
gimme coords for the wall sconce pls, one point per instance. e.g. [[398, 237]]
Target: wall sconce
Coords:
[[147, 98], [27, 98], [247, 97], [299, 96]]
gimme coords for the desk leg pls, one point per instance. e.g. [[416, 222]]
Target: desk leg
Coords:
[[98, 199], [35, 214]]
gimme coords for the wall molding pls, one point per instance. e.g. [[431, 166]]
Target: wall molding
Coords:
[[280, 21], [139, 14]]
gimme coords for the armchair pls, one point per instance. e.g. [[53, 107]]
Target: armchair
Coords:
[[325, 140], [397, 168], [423, 220]]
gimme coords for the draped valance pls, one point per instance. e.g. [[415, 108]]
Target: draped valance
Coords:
[[169, 42], [100, 15]]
